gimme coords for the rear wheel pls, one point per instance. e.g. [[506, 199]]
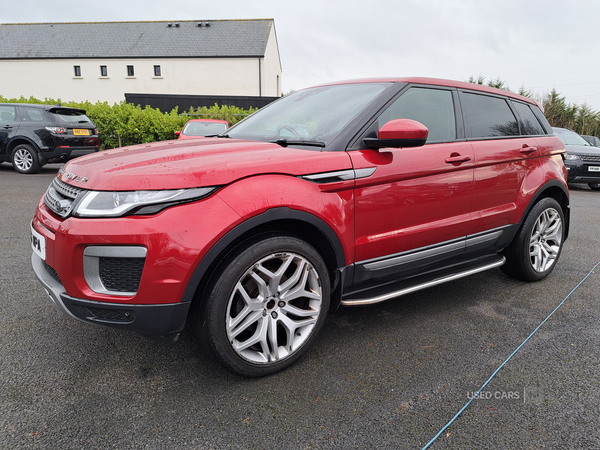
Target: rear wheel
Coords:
[[535, 249], [594, 186], [25, 159], [265, 306]]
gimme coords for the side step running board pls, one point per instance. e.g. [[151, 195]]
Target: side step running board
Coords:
[[425, 285]]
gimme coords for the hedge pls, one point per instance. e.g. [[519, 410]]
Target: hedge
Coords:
[[125, 124]]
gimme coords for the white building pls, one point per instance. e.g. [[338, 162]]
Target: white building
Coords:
[[104, 60]]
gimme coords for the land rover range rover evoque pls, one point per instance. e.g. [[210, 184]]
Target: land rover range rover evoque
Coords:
[[344, 194]]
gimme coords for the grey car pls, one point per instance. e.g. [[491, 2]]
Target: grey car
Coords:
[[593, 140]]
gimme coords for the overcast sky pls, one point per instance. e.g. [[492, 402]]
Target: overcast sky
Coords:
[[535, 44]]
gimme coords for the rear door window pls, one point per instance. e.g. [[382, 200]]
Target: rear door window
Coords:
[[530, 126], [487, 116], [8, 114]]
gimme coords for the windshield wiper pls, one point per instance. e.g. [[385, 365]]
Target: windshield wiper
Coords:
[[286, 142], [221, 135]]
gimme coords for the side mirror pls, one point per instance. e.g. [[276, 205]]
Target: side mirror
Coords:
[[177, 133], [399, 133]]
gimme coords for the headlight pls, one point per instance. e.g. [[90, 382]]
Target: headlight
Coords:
[[117, 204], [570, 156]]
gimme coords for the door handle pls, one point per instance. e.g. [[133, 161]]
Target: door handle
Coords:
[[458, 159], [526, 149]]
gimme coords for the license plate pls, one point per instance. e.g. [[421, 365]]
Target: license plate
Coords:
[[81, 132], [594, 168], [38, 243]]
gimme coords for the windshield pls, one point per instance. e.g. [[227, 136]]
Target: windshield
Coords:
[[311, 115], [569, 137], [198, 128]]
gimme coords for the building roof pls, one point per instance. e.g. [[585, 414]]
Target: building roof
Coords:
[[157, 39]]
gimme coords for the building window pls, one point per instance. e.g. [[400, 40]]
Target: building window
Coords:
[[77, 70], [157, 71], [103, 71], [130, 72]]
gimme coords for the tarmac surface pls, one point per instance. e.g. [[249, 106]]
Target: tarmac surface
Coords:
[[385, 376]]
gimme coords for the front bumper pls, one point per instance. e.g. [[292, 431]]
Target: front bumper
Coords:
[[582, 171], [162, 322]]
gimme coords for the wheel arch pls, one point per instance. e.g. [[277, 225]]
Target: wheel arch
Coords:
[[559, 192], [21, 140], [281, 220]]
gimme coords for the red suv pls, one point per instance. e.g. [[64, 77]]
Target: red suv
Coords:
[[201, 128], [344, 194]]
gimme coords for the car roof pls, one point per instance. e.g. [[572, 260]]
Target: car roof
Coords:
[[50, 108], [208, 120], [440, 82]]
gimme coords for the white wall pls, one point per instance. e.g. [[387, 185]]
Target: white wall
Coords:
[[194, 76], [271, 68]]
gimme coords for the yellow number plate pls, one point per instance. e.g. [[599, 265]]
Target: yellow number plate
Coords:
[[80, 132]]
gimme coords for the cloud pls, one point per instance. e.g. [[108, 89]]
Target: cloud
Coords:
[[529, 43]]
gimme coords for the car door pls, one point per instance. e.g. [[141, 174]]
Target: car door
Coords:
[[8, 128], [414, 210], [505, 155]]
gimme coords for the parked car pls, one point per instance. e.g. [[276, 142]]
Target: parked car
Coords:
[[592, 140], [34, 135], [201, 128], [582, 159], [344, 194]]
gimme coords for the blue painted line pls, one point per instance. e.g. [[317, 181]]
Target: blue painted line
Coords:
[[508, 359]]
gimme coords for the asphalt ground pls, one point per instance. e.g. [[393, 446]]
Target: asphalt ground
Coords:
[[384, 376]]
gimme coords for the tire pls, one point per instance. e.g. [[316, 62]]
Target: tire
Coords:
[[594, 186], [25, 159], [535, 249], [264, 306]]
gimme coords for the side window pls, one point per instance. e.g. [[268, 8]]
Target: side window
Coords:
[[529, 123], [434, 108], [7, 114], [487, 116], [33, 115]]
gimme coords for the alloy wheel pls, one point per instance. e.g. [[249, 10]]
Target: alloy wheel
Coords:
[[273, 308], [546, 239], [23, 159]]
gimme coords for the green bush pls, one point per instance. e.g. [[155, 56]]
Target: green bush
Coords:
[[125, 124]]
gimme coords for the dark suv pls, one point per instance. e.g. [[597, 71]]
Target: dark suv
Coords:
[[345, 194], [34, 135], [582, 159]]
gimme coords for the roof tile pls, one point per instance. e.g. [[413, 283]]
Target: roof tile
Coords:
[[183, 39]]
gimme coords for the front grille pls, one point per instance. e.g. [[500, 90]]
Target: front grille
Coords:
[[60, 197], [51, 271], [590, 158], [112, 315], [121, 274]]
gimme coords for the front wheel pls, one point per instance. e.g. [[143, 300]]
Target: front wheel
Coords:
[[535, 249], [25, 159], [594, 186], [265, 306]]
